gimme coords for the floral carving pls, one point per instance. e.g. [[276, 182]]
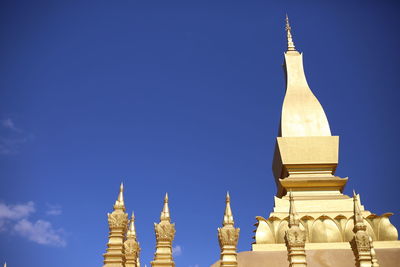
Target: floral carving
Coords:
[[165, 231], [295, 237], [118, 220], [131, 247], [361, 242], [228, 236]]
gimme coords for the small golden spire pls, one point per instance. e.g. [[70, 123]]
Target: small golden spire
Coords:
[[358, 218], [289, 35], [165, 216], [228, 216], [132, 230], [293, 218], [119, 203]]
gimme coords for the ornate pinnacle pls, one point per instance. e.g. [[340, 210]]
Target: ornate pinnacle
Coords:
[[120, 204], [228, 237], [228, 217], [132, 231], [165, 216], [289, 35], [358, 218], [293, 218]]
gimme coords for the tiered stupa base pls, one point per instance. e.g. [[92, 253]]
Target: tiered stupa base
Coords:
[[327, 217]]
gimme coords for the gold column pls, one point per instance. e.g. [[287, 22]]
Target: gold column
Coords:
[[131, 246], [165, 233], [360, 243], [228, 237], [117, 221], [295, 239]]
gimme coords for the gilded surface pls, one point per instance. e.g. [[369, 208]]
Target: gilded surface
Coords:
[[305, 160], [228, 237], [117, 220], [295, 237], [165, 233]]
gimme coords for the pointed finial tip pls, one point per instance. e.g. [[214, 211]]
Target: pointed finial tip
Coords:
[[121, 187], [354, 193], [288, 29], [133, 216], [166, 197]]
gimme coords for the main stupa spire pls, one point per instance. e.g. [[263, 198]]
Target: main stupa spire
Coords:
[[304, 144], [305, 160]]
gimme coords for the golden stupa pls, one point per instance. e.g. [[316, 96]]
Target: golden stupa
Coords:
[[312, 223]]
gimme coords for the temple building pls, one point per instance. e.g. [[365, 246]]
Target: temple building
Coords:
[[312, 222]]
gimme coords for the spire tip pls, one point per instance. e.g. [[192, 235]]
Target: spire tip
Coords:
[[288, 29]]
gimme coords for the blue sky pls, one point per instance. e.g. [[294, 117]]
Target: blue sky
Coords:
[[184, 97]]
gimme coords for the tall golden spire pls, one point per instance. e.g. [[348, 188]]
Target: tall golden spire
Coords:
[[228, 217], [131, 246], [117, 222], [228, 237], [165, 216], [305, 144], [289, 36], [165, 234]]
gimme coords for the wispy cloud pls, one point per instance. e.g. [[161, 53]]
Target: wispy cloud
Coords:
[[177, 250], [10, 213], [54, 210], [41, 232], [11, 137], [14, 219], [8, 123]]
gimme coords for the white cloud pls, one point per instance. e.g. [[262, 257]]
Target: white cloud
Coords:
[[177, 250], [8, 123], [14, 219], [41, 232], [53, 210], [15, 212]]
